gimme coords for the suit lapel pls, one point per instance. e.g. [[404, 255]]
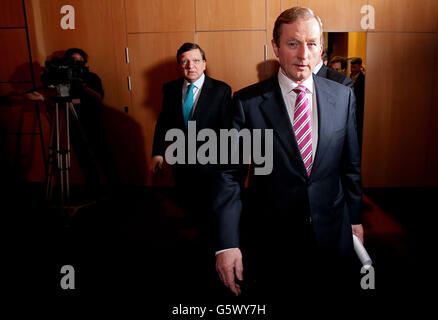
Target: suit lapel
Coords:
[[202, 100], [178, 102], [322, 72], [274, 110], [326, 117]]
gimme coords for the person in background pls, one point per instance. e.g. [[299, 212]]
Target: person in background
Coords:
[[339, 64], [322, 70], [87, 133], [193, 97]]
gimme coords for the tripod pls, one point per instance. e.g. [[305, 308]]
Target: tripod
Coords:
[[59, 163], [59, 159]]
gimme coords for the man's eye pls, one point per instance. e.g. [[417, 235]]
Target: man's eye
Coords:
[[293, 44]]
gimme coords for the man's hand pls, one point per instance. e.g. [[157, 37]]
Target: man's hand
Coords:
[[156, 164], [34, 96], [358, 231], [229, 266]]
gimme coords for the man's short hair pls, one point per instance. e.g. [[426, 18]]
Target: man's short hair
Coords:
[[340, 59], [290, 16], [356, 60], [81, 52], [187, 47], [324, 56]]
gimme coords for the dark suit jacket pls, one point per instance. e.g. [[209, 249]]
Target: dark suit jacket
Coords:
[[334, 75], [210, 112], [210, 109], [283, 200]]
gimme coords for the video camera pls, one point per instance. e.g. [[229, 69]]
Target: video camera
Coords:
[[63, 73]]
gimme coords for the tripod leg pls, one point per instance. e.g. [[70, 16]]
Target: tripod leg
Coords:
[[59, 158], [51, 162], [69, 108], [40, 127]]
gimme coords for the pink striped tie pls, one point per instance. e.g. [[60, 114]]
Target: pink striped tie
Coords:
[[302, 126]]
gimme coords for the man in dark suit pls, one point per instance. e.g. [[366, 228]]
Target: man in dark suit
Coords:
[[193, 97], [297, 225]]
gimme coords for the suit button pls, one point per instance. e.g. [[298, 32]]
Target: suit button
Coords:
[[309, 182]]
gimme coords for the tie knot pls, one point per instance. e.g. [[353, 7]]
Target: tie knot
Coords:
[[191, 85], [300, 89]]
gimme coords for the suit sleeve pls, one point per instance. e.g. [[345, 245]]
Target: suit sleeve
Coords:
[[351, 171], [227, 205], [225, 118], [348, 82], [162, 126]]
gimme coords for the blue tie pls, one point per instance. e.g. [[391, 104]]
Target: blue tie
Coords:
[[188, 104]]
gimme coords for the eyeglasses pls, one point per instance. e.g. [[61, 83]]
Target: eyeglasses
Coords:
[[186, 61]]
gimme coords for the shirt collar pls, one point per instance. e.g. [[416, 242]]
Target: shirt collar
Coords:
[[287, 85], [317, 67], [198, 83]]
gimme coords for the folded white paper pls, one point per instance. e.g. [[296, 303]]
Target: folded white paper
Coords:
[[361, 252]]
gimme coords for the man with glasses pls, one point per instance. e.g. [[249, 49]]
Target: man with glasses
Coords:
[[193, 97]]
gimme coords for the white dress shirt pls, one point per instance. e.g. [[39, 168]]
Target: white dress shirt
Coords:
[[289, 97], [196, 91], [317, 67]]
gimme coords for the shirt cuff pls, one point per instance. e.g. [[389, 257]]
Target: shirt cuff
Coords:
[[220, 251]]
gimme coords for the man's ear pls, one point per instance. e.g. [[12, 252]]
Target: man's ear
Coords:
[[274, 47], [321, 48]]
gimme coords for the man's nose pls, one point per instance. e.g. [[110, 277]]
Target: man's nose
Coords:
[[303, 51]]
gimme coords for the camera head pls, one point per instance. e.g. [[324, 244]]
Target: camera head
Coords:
[[62, 73]]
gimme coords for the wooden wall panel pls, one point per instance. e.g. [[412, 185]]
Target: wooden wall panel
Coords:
[[24, 158], [14, 62], [230, 15], [397, 109], [406, 15], [273, 10], [99, 30], [432, 148], [150, 69], [13, 89], [234, 57], [104, 27], [337, 15], [17, 115], [160, 15], [286, 4], [11, 14]]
